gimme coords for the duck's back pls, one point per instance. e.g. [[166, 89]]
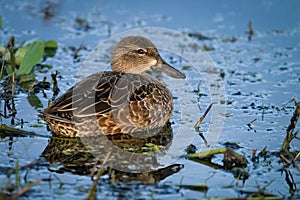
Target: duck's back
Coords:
[[110, 103]]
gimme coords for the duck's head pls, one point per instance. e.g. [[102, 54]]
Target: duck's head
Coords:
[[136, 54]]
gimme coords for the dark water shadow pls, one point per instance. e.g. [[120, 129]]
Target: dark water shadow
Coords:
[[75, 156]]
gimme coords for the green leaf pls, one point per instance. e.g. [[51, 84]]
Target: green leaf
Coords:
[[208, 48], [43, 68], [8, 70], [206, 153], [0, 22], [20, 55], [27, 78], [2, 50], [35, 102], [50, 48], [51, 44], [17, 176], [34, 53], [185, 67]]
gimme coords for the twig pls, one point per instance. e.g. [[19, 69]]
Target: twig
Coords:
[[18, 168], [285, 159], [250, 125], [263, 112], [197, 125], [92, 190], [94, 167], [18, 132], [76, 52], [252, 121], [24, 190], [294, 119], [2, 67], [196, 187], [290, 101], [204, 139], [294, 161], [263, 152], [289, 131], [297, 156], [253, 158], [11, 44], [17, 176], [251, 31], [290, 181], [55, 84]]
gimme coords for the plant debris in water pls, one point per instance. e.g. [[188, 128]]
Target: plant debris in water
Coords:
[[13, 188], [17, 72], [236, 163], [21, 60]]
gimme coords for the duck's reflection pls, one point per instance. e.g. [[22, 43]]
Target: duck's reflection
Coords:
[[131, 157]]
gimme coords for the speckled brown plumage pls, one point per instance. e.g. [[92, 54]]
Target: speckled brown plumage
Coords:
[[116, 102]]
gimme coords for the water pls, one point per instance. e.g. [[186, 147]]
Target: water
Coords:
[[261, 77]]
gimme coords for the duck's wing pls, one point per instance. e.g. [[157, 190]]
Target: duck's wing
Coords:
[[131, 99], [88, 98]]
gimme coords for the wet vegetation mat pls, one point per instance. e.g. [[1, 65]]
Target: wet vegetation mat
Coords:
[[256, 156]]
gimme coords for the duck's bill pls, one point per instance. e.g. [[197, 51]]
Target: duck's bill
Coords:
[[163, 66]]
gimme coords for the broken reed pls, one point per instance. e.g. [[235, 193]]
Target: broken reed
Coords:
[[11, 45], [290, 135]]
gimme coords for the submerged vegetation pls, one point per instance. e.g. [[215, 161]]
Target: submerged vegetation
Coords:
[[18, 62], [17, 74], [237, 164]]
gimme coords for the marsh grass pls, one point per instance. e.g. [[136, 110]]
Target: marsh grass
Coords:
[[237, 163], [13, 188], [17, 75], [18, 65]]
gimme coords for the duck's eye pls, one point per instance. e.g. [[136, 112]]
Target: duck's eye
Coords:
[[141, 51]]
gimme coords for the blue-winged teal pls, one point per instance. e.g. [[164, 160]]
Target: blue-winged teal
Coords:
[[125, 100]]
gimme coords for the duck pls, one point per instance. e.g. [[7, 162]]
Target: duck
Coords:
[[125, 100]]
